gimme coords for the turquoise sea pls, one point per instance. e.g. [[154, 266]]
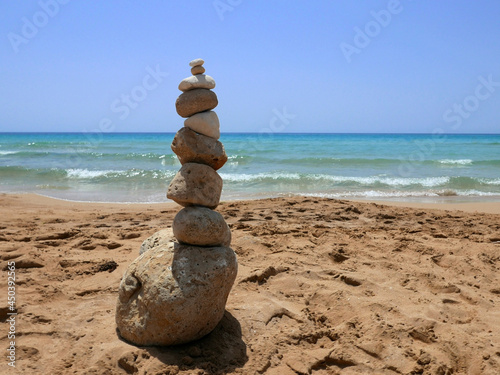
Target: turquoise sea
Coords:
[[137, 167]]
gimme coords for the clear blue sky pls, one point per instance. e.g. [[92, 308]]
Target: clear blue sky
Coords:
[[331, 66]]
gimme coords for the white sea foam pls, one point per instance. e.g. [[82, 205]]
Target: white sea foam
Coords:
[[294, 177], [8, 152], [85, 173], [472, 193], [391, 181], [233, 177], [397, 194], [373, 194], [456, 161], [490, 182]]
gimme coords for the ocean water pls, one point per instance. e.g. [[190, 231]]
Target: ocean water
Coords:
[[137, 167]]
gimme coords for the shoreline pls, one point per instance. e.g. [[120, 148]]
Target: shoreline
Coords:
[[479, 206], [471, 207]]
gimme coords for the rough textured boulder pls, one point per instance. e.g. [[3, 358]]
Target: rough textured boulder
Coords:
[[198, 81], [194, 101], [191, 147], [206, 123], [173, 294], [201, 226], [196, 185], [162, 237]]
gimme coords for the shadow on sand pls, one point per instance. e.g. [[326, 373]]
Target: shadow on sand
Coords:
[[221, 351]]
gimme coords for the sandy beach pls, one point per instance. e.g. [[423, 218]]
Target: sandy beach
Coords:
[[324, 287]]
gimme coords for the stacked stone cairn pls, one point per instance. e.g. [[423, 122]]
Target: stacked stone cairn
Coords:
[[176, 290]]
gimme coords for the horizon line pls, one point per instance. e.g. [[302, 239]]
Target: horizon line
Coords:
[[257, 133]]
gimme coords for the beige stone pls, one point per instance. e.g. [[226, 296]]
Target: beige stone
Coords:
[[197, 70], [161, 237], [206, 123], [191, 147], [173, 294], [199, 81], [201, 226], [196, 62], [194, 101], [196, 185]]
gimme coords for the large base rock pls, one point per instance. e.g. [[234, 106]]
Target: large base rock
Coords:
[[173, 294], [162, 237]]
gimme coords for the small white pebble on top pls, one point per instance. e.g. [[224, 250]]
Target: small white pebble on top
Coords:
[[196, 62]]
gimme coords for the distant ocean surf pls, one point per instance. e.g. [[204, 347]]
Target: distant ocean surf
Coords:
[[137, 167]]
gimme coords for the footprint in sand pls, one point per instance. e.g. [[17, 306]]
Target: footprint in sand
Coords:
[[129, 236], [112, 245], [100, 236], [26, 263], [58, 236], [261, 277], [28, 353], [86, 245], [10, 256], [349, 280]]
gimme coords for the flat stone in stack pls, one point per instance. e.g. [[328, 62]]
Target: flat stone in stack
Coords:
[[199, 81], [196, 62], [206, 123]]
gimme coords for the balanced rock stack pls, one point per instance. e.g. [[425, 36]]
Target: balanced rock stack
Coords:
[[176, 291]]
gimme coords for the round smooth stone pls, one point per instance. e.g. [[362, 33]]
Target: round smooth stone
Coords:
[[197, 70], [206, 123], [195, 101], [173, 294], [201, 226], [199, 81], [191, 147], [196, 62], [196, 185]]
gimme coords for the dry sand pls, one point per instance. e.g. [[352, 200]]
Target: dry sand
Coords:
[[324, 287]]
